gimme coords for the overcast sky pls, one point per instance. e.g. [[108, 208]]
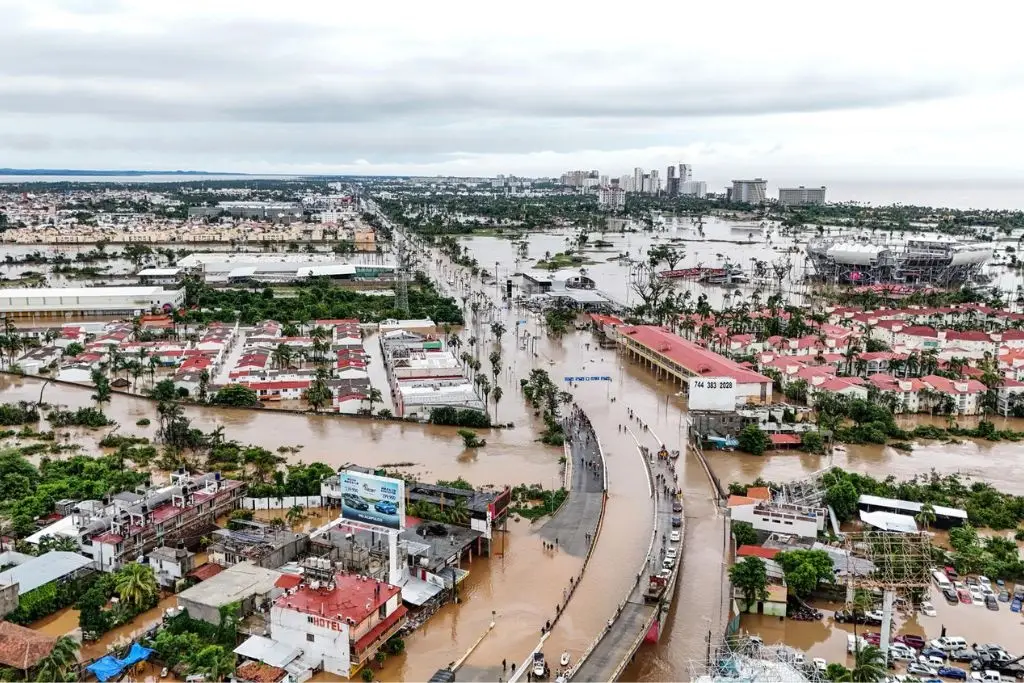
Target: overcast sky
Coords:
[[802, 90]]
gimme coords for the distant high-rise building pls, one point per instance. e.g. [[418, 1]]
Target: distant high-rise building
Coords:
[[670, 172], [801, 196], [611, 198], [693, 188], [749, 191], [655, 182], [638, 179], [626, 183], [671, 182], [604, 180], [685, 173]]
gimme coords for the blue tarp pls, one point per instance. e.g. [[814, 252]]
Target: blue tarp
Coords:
[[107, 668]]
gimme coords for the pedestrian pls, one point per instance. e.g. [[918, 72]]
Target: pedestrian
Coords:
[[513, 667], [556, 541], [504, 665]]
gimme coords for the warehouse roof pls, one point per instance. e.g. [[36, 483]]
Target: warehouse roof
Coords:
[[910, 506], [37, 292], [41, 570]]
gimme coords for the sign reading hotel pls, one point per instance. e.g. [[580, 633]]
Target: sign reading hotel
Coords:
[[371, 499], [712, 393]]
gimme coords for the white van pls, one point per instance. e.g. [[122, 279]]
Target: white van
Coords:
[[949, 643], [941, 580]]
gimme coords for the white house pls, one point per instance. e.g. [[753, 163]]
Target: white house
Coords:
[[766, 516], [339, 624]]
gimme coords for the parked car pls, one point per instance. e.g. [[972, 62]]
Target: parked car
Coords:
[[677, 521], [677, 506], [992, 603], [964, 596], [916, 642], [671, 552], [919, 669], [950, 595], [928, 610], [1004, 595], [984, 581], [845, 616], [948, 643], [976, 595], [951, 573], [874, 617], [934, 652], [952, 672], [932, 661], [673, 536], [964, 654], [903, 655]]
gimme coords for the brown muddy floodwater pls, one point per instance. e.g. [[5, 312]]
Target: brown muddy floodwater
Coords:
[[511, 456]]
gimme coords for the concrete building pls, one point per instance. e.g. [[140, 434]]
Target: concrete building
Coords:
[[693, 188], [171, 565], [339, 624], [801, 196], [749, 191], [277, 211], [160, 276], [30, 573], [251, 586], [771, 517], [73, 302], [257, 543], [685, 173], [679, 359], [611, 198], [37, 359], [133, 524]]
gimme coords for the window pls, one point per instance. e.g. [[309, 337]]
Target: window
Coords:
[[309, 637], [309, 620]]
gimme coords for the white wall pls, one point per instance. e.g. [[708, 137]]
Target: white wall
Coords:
[[330, 637]]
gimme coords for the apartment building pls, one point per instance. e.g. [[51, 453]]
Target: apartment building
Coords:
[[801, 196]]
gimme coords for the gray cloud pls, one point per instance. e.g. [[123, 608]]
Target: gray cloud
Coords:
[[305, 84]]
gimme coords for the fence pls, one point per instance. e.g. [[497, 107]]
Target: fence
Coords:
[[283, 503]]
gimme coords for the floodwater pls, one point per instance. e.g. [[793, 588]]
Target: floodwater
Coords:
[[66, 621], [511, 456]]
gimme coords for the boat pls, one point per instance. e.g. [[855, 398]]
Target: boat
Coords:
[[564, 661], [539, 666]]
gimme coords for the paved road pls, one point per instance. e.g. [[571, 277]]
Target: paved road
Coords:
[[619, 640], [580, 513]]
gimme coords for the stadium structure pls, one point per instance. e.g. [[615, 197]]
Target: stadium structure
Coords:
[[937, 260]]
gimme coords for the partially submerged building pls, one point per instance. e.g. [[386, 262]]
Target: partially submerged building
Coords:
[[252, 587]]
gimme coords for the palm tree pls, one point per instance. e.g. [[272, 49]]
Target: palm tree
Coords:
[[60, 664], [295, 513], [496, 394], [213, 662], [868, 665], [926, 517], [373, 396], [454, 342], [457, 511], [136, 584], [497, 329], [281, 356]]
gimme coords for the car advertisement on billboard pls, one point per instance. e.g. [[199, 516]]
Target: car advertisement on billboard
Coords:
[[371, 499]]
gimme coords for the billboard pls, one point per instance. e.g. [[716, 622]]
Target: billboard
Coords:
[[712, 393], [371, 499]]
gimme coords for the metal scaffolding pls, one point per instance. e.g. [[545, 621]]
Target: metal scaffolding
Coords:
[[747, 660], [917, 260]]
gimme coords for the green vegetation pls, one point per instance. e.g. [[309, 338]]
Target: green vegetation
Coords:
[[805, 569], [744, 533], [994, 556], [470, 439], [458, 417], [83, 417], [135, 586], [28, 492], [868, 667], [985, 505], [561, 260], [750, 577], [533, 502], [144, 422], [48, 598], [545, 398], [559, 319], [454, 511], [236, 395], [60, 664], [752, 440], [315, 300], [198, 647], [18, 414]]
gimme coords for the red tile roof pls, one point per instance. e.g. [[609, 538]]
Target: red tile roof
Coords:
[[784, 440], [693, 358], [206, 571], [22, 648], [757, 551], [351, 598], [759, 492], [735, 500]]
